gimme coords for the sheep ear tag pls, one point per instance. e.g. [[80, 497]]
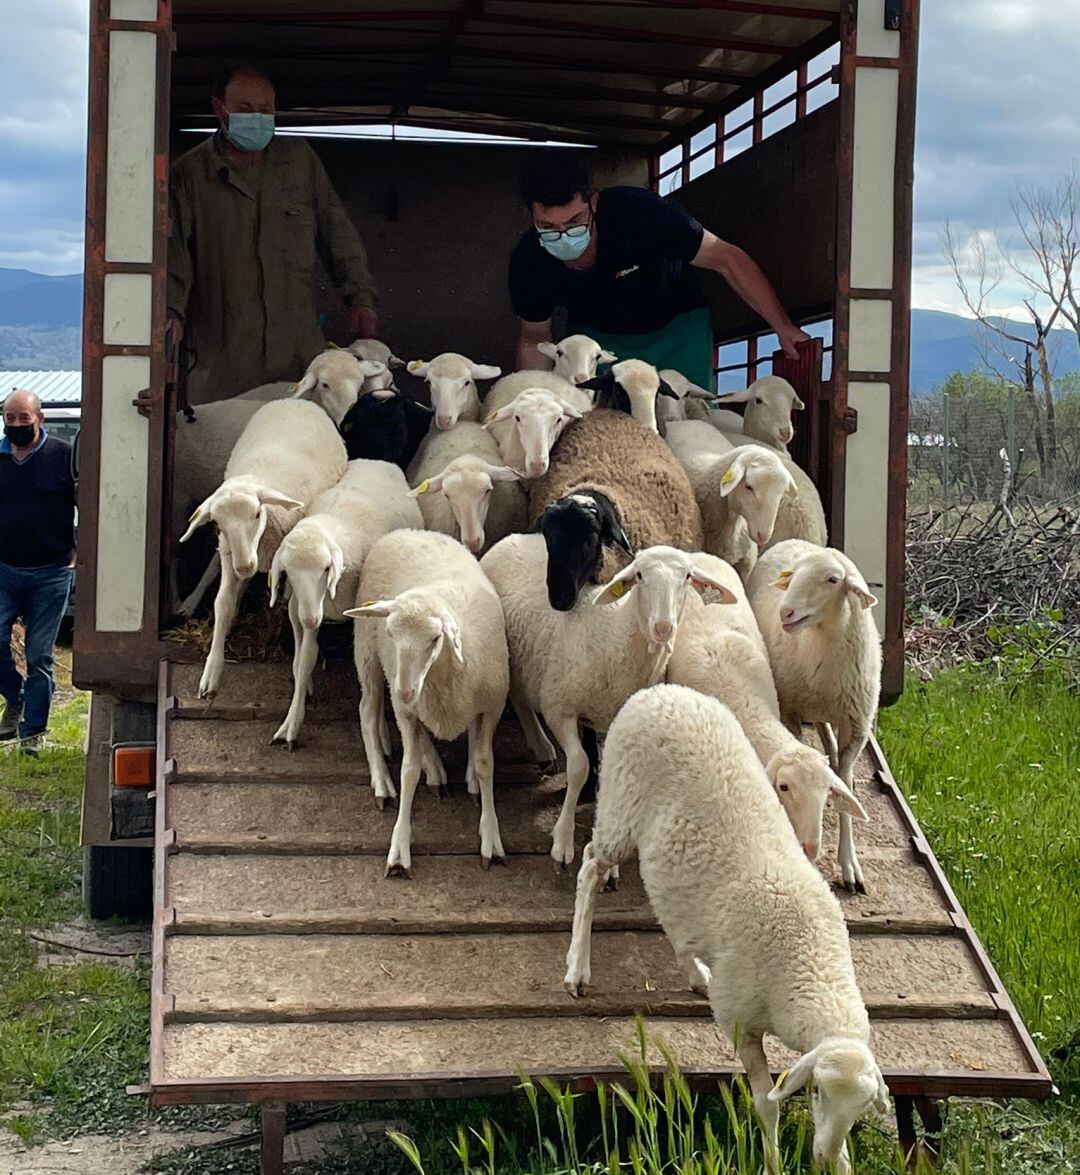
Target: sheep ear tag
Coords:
[[414, 364], [617, 588], [783, 581], [424, 486], [728, 477]]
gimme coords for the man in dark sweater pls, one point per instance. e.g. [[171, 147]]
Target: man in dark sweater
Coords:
[[37, 548]]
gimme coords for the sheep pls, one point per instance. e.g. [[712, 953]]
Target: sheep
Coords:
[[527, 427], [451, 381], [633, 386], [686, 394], [607, 457], [577, 357], [289, 452], [464, 489], [385, 429], [376, 351], [769, 403], [749, 918], [443, 651], [581, 665], [721, 652], [826, 657], [334, 380], [504, 390], [321, 558], [739, 490]]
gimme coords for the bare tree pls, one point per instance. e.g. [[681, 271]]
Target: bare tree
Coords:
[[979, 271]]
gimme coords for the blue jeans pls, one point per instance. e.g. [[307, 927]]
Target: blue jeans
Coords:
[[39, 596]]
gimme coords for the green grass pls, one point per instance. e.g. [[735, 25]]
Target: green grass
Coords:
[[991, 765]]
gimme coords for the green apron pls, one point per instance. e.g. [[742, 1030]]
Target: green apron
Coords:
[[685, 344]]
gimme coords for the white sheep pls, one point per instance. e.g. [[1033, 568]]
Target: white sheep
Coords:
[[769, 403], [576, 357], [334, 380], [721, 652], [813, 607], [464, 489], [740, 490], [687, 395], [527, 427], [748, 916], [443, 652], [451, 381], [289, 452], [321, 558], [376, 351], [582, 664]]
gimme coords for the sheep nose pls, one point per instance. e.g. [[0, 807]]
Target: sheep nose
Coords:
[[310, 622], [536, 468], [245, 569], [581, 379], [444, 422], [407, 693], [474, 545], [662, 630], [788, 433], [786, 613], [811, 850]]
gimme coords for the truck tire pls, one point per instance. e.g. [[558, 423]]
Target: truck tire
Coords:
[[118, 882]]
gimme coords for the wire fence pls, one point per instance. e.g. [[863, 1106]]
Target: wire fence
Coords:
[[992, 447]]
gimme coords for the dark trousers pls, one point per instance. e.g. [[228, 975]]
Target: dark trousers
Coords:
[[39, 596]]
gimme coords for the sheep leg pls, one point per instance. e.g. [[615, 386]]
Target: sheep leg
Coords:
[[399, 858], [828, 744], [372, 712], [850, 870], [752, 1055], [539, 744], [482, 767], [225, 603], [565, 729], [305, 654], [190, 604], [579, 956], [434, 771], [472, 781]]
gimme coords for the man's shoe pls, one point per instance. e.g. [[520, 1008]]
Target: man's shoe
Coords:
[[9, 721], [32, 744]]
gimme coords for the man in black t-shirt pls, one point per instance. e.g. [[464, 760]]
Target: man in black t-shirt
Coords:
[[37, 547], [621, 262]]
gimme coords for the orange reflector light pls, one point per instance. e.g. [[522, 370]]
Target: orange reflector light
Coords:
[[134, 766]]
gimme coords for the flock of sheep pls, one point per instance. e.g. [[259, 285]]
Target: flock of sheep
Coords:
[[721, 625]]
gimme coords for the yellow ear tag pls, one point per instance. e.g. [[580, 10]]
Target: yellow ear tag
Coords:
[[423, 487], [414, 364], [617, 588], [368, 603], [333, 346], [786, 574], [782, 1078], [292, 390], [196, 513], [729, 476]]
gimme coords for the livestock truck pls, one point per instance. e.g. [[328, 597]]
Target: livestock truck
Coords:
[[786, 127]]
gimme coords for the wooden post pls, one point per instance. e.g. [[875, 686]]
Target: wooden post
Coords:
[[272, 1144], [920, 1156]]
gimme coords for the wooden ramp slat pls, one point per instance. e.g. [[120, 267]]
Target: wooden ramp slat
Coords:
[[456, 1050], [360, 976], [264, 688], [348, 894]]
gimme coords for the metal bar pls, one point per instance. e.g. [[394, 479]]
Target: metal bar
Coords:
[[440, 62], [800, 89], [594, 93], [600, 65], [651, 36], [553, 118], [348, 16], [747, 6], [720, 143], [759, 106], [686, 161], [751, 358], [945, 449]]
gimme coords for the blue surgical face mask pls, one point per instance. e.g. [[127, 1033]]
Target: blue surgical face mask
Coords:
[[250, 132], [566, 247]]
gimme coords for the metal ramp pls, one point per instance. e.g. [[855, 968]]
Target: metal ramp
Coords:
[[285, 968]]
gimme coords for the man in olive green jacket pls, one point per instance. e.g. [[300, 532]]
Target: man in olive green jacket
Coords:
[[250, 214]]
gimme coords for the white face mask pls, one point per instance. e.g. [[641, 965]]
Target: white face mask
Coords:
[[250, 132]]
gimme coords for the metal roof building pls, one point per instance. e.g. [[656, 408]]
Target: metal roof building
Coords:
[[52, 387]]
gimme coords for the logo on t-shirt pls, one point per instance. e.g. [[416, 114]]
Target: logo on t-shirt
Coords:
[[627, 272]]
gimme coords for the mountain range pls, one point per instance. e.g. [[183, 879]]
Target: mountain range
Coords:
[[40, 316]]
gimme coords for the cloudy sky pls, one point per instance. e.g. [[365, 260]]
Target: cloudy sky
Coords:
[[997, 107]]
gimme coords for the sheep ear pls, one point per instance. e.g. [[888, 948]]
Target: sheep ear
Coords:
[[452, 632], [792, 490], [503, 413], [621, 585], [371, 608], [799, 406], [700, 582], [432, 484], [665, 389], [484, 371], [503, 473], [276, 574], [793, 1079], [739, 397], [394, 363], [417, 367], [371, 367], [200, 518], [857, 586], [570, 410], [693, 392], [548, 349], [612, 533], [731, 476], [305, 387], [845, 800], [783, 580], [336, 569], [599, 383], [269, 497], [881, 1098], [608, 357]]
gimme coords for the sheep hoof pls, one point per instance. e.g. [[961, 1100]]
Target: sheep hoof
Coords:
[[485, 862], [444, 791], [475, 797], [495, 859], [560, 866], [398, 871], [547, 769], [575, 987], [380, 803], [859, 886], [611, 885], [699, 989]]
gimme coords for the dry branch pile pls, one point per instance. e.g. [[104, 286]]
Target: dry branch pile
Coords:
[[977, 570]]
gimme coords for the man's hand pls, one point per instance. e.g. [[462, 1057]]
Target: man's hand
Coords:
[[363, 322], [789, 337]]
